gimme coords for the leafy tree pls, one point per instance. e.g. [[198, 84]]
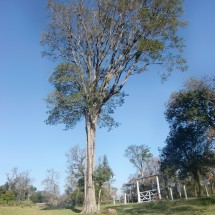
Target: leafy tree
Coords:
[[103, 174], [190, 144], [130, 188], [139, 156], [38, 197], [195, 104], [5, 195], [99, 45]]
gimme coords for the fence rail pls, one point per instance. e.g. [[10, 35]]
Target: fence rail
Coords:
[[149, 195]]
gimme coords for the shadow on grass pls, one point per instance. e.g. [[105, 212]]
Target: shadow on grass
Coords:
[[47, 208], [75, 210], [203, 201], [62, 207], [190, 206]]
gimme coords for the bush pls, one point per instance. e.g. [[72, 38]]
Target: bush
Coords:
[[26, 203], [6, 198]]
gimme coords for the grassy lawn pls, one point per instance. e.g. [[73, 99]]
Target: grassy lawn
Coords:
[[33, 211], [203, 206]]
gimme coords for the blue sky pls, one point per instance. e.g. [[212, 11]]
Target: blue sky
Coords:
[[28, 143]]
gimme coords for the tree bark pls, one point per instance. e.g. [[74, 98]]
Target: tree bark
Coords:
[[89, 187], [197, 179], [99, 199]]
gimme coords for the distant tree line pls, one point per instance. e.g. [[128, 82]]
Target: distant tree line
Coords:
[[19, 189]]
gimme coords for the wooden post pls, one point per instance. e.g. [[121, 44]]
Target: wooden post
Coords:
[[125, 200], [206, 189], [185, 192], [138, 192], [158, 188], [170, 190], [114, 200]]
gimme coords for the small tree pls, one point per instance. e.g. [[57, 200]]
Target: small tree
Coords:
[[103, 174], [139, 156], [75, 169], [51, 187], [19, 183], [130, 188], [38, 197], [99, 44], [75, 166]]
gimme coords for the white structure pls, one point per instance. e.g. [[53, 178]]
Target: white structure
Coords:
[[205, 183], [148, 195], [185, 192], [125, 199], [170, 190]]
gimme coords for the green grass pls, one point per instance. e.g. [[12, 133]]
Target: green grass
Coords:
[[33, 211], [177, 207], [203, 206]]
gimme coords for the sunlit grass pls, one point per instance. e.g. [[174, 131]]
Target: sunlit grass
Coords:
[[203, 206]]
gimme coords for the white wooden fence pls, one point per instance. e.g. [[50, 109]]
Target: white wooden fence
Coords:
[[149, 195]]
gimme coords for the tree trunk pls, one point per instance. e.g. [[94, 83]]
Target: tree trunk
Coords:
[[99, 199], [76, 199], [199, 189], [89, 188], [197, 179]]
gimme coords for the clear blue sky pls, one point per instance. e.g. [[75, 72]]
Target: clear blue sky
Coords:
[[28, 143]]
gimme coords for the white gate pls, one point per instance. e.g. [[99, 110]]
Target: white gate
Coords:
[[149, 195]]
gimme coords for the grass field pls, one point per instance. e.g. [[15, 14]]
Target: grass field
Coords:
[[203, 206]]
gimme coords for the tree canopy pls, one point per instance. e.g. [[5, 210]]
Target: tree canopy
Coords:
[[139, 156], [195, 104], [189, 149], [99, 44]]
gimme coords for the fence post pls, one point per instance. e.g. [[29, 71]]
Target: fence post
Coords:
[[170, 190], [138, 192], [185, 192], [125, 200], [158, 188]]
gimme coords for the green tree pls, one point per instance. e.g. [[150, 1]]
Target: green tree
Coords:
[[190, 144], [99, 44], [103, 174], [139, 156], [130, 188], [195, 104], [38, 197]]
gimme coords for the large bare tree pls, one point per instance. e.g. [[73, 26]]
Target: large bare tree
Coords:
[[99, 44], [51, 187], [20, 183]]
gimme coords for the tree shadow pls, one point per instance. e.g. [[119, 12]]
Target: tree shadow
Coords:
[[75, 210], [62, 207], [53, 208]]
